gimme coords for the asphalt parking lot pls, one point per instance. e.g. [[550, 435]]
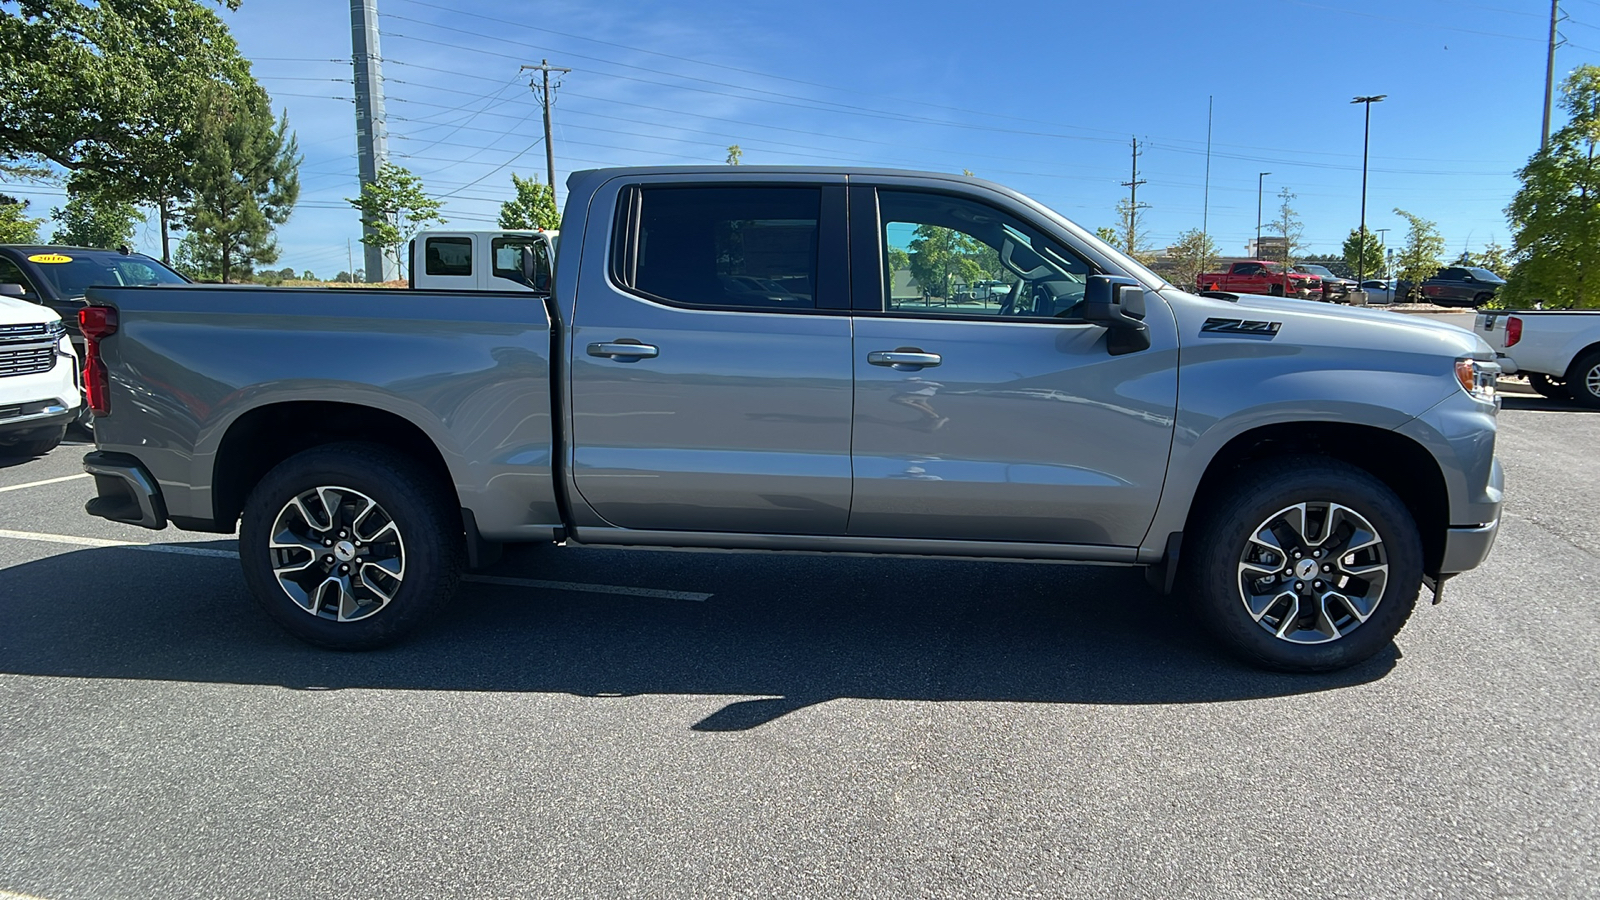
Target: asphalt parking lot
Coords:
[[603, 724]]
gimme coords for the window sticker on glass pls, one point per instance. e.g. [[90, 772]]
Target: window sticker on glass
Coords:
[[49, 258]]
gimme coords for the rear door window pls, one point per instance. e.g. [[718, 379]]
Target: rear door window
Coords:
[[725, 247], [448, 256]]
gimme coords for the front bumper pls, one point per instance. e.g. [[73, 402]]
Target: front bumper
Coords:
[[1467, 548], [127, 492], [26, 421]]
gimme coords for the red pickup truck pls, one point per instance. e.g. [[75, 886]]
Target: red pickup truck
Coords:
[[1257, 276]]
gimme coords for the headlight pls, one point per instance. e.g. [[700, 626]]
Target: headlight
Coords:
[[57, 328], [1477, 378]]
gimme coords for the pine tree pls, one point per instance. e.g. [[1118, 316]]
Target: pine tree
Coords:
[[245, 180]]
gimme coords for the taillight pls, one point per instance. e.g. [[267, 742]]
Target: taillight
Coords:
[[1513, 330], [97, 324]]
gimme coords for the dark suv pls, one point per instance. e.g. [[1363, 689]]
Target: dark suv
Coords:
[[1460, 286], [58, 277]]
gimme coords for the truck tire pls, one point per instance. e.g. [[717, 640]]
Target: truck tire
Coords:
[[1547, 387], [1583, 380], [1481, 299], [36, 447], [1276, 290], [1305, 564], [349, 546]]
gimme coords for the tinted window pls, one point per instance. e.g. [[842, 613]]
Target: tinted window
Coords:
[[1486, 275], [508, 254], [953, 256], [86, 269], [11, 274], [448, 256], [750, 247]]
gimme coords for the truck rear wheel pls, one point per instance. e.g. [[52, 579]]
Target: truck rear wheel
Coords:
[[1306, 564], [350, 546], [1583, 380], [1547, 387]]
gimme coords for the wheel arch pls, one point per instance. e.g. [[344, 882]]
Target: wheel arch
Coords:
[[1577, 356], [1402, 464], [265, 436]]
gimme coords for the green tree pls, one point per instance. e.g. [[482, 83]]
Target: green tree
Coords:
[[734, 154], [1365, 263], [394, 205], [111, 89], [940, 257], [245, 179], [1108, 234], [1421, 256], [1129, 234], [1555, 215], [197, 259], [1288, 226], [15, 225], [308, 275], [534, 206], [92, 219], [1494, 257], [1193, 254]]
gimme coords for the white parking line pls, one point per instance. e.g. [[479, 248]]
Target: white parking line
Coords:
[[184, 550], [18, 487], [74, 540]]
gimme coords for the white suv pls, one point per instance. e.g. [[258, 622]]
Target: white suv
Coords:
[[38, 378]]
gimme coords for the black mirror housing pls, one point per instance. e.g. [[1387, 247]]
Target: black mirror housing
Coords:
[[1117, 304]]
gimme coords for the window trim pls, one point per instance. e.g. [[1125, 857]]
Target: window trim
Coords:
[[500, 240], [622, 268], [454, 239], [861, 208]]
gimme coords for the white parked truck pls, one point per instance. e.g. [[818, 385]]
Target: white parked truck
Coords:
[[38, 376], [1558, 350], [482, 260]]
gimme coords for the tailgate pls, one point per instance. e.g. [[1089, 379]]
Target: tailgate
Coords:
[[1491, 326]]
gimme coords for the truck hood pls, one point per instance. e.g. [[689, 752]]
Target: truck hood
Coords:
[[1468, 343], [21, 312]]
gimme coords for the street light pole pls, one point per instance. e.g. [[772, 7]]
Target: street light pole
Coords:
[[1361, 241], [1259, 179], [1383, 241]]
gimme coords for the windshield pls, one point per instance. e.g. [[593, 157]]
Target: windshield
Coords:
[[1317, 270], [1486, 275], [85, 269]]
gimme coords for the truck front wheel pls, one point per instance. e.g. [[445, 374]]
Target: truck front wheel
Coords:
[[349, 546], [1306, 564], [1276, 290]]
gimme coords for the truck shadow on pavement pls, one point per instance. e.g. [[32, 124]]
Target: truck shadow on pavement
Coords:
[[1541, 404], [780, 632]]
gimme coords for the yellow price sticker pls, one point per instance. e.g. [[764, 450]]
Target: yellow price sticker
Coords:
[[49, 258]]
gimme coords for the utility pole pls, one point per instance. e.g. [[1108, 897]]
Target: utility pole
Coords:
[[1132, 184], [1260, 179], [1383, 241], [545, 97], [372, 132], [1205, 207], [1366, 136], [1550, 73]]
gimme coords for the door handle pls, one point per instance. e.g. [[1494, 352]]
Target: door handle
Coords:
[[624, 350], [905, 358]]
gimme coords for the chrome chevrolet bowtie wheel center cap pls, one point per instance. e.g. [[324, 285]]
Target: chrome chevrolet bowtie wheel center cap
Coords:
[[344, 551], [1305, 569]]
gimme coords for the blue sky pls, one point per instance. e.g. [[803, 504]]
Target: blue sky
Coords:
[[1043, 97]]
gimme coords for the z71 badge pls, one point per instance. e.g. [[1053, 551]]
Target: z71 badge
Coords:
[[1240, 326]]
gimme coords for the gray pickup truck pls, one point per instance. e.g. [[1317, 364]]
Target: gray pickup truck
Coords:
[[1300, 471]]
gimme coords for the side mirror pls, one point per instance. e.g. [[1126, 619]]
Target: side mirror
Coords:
[[1117, 304], [11, 290]]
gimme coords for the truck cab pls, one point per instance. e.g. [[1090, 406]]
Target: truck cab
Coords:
[[482, 260]]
